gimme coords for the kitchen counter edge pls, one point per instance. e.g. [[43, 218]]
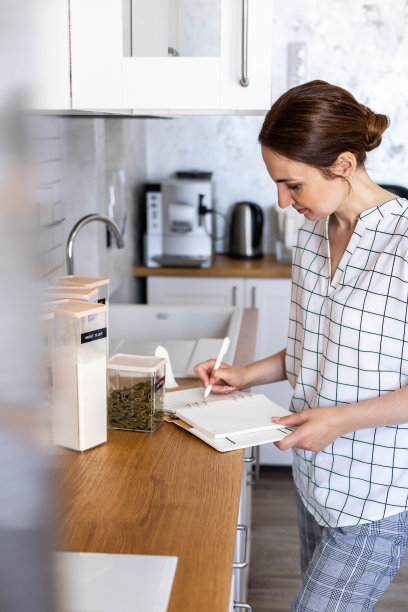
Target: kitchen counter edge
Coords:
[[225, 267]]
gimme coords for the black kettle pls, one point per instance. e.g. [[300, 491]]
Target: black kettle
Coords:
[[245, 241]]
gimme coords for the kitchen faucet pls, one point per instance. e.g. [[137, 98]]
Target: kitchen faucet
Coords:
[[87, 219]]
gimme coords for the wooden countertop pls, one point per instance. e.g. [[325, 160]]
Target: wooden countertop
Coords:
[[223, 266], [165, 493]]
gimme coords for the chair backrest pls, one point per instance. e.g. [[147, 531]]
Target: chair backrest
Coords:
[[399, 190]]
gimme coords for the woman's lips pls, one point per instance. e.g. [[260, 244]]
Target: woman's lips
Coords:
[[301, 210]]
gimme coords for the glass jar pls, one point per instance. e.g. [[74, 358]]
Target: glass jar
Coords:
[[135, 392]]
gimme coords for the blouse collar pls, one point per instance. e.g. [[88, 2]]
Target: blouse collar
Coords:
[[383, 210]]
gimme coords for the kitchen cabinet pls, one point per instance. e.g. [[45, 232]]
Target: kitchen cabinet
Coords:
[[195, 291], [120, 55], [272, 299], [243, 538], [51, 78], [271, 296]]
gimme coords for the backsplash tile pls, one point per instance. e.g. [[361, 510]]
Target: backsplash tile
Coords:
[[48, 178]]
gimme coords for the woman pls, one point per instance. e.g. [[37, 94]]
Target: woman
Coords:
[[347, 349]]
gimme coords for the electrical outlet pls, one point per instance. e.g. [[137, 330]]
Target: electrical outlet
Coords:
[[296, 67]]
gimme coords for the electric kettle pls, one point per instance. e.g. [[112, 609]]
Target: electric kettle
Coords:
[[245, 241]]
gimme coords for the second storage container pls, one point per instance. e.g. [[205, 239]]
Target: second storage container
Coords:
[[135, 392]]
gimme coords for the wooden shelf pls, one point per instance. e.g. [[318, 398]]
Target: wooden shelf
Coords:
[[224, 267]]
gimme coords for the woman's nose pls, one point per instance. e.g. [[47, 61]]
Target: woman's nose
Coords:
[[284, 197]]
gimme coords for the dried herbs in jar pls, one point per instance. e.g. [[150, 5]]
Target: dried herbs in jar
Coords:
[[136, 407]]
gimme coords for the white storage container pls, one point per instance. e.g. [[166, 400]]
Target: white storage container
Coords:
[[47, 329], [79, 365]]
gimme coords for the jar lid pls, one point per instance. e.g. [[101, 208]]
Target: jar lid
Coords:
[[46, 315], [141, 363], [72, 280], [71, 292], [77, 309]]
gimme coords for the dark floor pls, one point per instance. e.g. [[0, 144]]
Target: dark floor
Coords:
[[274, 568]]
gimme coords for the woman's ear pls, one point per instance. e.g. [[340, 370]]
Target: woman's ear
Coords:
[[345, 165]]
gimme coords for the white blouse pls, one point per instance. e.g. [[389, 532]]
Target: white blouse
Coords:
[[347, 342]]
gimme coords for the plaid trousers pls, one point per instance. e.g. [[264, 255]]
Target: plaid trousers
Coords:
[[347, 569]]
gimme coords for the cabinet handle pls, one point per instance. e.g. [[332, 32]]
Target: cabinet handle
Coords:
[[237, 605], [244, 81], [253, 297], [245, 560], [254, 474], [234, 295]]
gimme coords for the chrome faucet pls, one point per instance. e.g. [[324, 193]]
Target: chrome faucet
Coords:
[[84, 221]]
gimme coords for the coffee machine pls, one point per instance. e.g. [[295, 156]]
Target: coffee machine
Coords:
[[178, 221]]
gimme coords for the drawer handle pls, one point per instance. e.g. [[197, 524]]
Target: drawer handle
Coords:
[[234, 295], [252, 458], [253, 476], [253, 297], [245, 560], [237, 605], [244, 81]]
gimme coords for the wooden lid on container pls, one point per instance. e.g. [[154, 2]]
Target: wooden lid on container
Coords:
[[72, 293], [77, 309], [135, 363], [72, 280]]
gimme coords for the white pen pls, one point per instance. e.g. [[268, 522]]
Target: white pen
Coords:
[[223, 350]]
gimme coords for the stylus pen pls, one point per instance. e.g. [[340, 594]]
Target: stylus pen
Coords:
[[223, 350]]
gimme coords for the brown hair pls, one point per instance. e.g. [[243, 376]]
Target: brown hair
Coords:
[[315, 122]]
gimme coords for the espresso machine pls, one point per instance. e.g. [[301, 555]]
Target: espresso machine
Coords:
[[179, 221]]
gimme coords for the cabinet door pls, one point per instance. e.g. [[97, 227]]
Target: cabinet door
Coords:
[[106, 74], [51, 57], [195, 291], [272, 298]]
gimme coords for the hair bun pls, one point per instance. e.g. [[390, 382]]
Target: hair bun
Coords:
[[376, 126]]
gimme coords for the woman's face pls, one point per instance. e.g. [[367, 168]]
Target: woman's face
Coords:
[[304, 187]]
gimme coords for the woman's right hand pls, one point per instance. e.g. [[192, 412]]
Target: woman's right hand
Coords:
[[224, 380]]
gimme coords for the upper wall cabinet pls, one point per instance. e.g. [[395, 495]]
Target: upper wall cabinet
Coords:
[[171, 55], [51, 59]]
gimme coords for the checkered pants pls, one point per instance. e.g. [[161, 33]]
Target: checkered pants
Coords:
[[347, 569]]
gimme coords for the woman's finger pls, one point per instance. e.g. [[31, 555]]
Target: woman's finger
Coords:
[[222, 389], [287, 442], [204, 370], [291, 419]]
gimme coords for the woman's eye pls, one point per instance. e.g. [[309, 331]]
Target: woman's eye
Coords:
[[294, 187]]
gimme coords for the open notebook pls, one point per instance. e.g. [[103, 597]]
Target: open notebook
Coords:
[[227, 422]]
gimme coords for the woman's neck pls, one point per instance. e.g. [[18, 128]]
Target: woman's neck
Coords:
[[363, 195]]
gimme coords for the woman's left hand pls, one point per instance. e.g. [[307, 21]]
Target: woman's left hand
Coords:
[[316, 428]]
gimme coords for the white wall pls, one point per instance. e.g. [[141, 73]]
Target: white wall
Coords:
[[360, 45]]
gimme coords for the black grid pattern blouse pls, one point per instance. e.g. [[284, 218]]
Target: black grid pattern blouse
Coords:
[[347, 342]]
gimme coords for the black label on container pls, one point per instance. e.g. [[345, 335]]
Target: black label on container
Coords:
[[102, 301], [159, 383], [90, 336]]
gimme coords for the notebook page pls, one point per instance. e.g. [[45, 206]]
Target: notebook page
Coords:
[[226, 415], [184, 397]]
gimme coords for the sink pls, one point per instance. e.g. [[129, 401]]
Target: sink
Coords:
[[189, 333]]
